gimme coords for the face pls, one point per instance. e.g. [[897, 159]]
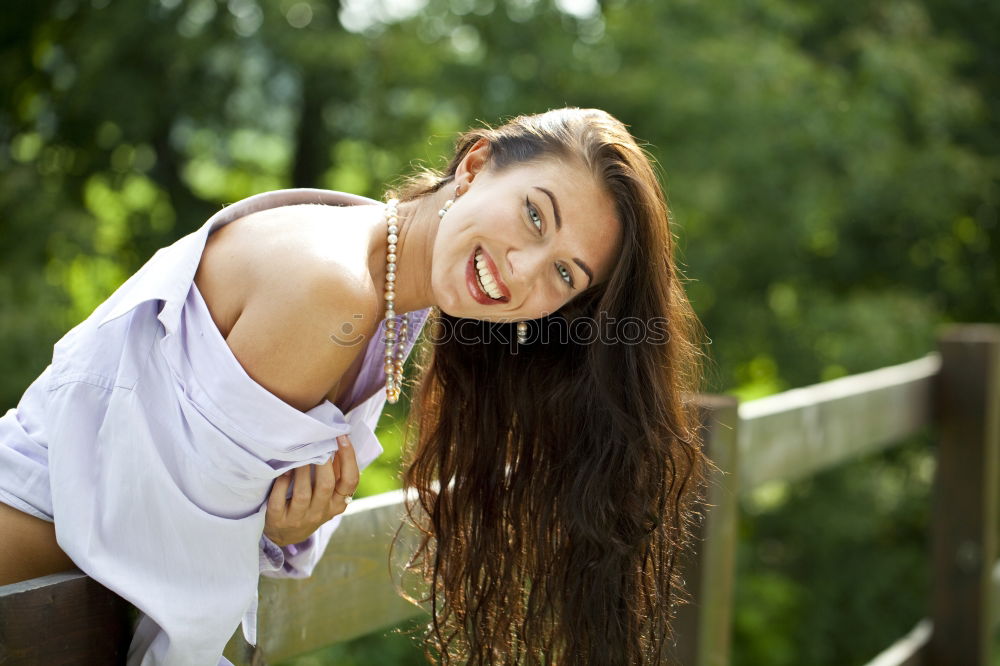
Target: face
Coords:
[[544, 232]]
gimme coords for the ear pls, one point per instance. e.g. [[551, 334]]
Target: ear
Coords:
[[473, 163]]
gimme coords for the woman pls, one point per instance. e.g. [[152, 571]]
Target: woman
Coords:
[[554, 476]]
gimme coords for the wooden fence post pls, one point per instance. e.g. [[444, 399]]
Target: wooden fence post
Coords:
[[964, 521], [704, 626]]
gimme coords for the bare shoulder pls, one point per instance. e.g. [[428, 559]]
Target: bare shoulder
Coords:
[[308, 307], [254, 250]]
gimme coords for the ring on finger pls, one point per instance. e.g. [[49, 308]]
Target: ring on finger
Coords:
[[347, 498]]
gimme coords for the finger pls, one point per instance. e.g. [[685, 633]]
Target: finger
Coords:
[[277, 501], [336, 503], [323, 490], [301, 493], [347, 483], [342, 441], [336, 465]]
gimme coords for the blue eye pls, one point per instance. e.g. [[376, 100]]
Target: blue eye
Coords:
[[536, 220], [533, 215], [567, 276]]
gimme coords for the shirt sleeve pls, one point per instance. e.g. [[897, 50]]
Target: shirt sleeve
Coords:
[[272, 556]]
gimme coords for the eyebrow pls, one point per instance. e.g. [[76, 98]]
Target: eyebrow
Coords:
[[555, 208]]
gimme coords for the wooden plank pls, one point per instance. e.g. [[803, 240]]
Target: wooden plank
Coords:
[[704, 626], [907, 651], [790, 435], [964, 518], [797, 433], [350, 593], [65, 618]]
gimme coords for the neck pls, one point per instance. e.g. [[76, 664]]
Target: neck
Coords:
[[418, 225]]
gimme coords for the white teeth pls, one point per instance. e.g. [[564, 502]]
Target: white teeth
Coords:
[[486, 281]]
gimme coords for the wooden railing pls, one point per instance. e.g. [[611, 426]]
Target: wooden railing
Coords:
[[955, 391]]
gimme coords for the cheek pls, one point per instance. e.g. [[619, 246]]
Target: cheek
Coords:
[[544, 300]]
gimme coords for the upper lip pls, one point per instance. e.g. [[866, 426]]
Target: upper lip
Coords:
[[492, 267]]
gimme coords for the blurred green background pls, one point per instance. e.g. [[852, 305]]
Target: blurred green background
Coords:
[[833, 171]]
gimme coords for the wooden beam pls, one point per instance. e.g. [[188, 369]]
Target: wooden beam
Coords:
[[704, 626], [791, 435], [964, 519], [65, 618], [797, 433]]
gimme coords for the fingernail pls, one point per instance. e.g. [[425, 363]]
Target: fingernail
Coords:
[[344, 441]]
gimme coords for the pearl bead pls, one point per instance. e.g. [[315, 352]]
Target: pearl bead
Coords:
[[393, 349], [395, 341]]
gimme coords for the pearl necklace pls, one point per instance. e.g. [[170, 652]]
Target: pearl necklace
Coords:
[[394, 352]]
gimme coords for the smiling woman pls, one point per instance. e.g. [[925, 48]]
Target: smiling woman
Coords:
[[555, 480], [236, 379]]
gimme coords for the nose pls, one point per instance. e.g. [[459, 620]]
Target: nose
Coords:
[[525, 267]]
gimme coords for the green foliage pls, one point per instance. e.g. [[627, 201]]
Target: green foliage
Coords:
[[383, 474], [833, 172], [843, 553]]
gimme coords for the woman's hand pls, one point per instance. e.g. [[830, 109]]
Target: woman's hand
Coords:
[[292, 520]]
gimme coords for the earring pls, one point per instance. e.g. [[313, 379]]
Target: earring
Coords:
[[447, 205], [522, 333]]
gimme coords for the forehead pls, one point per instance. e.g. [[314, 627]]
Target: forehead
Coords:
[[590, 227]]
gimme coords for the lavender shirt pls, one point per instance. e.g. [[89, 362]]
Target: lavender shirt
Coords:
[[154, 452]]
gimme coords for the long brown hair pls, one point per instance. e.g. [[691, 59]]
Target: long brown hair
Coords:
[[553, 482]]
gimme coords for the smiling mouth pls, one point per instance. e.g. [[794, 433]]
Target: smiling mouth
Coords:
[[481, 275]]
